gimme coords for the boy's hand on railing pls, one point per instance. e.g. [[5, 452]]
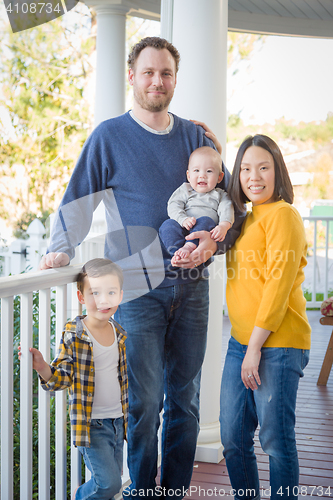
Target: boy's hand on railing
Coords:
[[38, 363], [53, 260]]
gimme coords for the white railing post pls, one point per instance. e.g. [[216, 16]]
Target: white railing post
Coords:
[[76, 476], [314, 277], [44, 400], [26, 398], [61, 414], [326, 258], [7, 334]]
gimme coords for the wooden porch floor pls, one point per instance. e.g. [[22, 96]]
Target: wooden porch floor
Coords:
[[314, 428]]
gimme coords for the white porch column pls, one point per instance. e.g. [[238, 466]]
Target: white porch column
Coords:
[[200, 34], [110, 61]]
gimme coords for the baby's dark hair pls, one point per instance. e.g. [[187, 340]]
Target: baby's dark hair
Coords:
[[99, 267]]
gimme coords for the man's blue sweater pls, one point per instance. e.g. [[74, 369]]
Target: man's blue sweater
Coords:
[[134, 172]]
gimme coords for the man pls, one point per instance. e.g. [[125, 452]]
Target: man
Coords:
[[134, 162]]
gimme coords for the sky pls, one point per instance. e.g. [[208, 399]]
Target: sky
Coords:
[[296, 75]]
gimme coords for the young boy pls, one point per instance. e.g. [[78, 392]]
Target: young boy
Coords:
[[197, 205], [91, 362]]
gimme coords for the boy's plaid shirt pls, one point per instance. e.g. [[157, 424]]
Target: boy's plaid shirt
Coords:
[[73, 368]]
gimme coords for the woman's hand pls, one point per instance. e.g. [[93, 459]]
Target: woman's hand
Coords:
[[250, 369], [210, 134], [250, 366]]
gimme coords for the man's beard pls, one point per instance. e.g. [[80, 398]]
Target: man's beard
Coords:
[[141, 97]]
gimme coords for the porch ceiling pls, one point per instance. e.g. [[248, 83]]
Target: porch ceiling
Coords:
[[310, 18]]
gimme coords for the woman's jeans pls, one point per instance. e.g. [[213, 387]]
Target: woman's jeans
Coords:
[[165, 346], [104, 459], [273, 405]]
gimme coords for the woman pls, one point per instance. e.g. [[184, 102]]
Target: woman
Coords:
[[270, 334]]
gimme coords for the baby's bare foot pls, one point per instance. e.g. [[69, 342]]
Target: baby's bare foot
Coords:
[[183, 252]]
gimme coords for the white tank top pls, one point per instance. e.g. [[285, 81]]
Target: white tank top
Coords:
[[107, 395]]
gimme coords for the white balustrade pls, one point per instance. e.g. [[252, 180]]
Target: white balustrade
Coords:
[[44, 399], [62, 280], [319, 272], [24, 285], [7, 330]]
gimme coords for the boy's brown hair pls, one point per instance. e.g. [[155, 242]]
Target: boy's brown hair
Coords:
[[99, 267]]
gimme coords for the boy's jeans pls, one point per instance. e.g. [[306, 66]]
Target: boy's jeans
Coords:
[[166, 341], [104, 459], [273, 404]]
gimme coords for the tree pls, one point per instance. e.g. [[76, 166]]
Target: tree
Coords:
[[241, 46], [46, 114], [321, 183]]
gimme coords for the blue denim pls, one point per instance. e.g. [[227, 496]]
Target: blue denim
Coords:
[[173, 234], [273, 405], [104, 459], [166, 342]]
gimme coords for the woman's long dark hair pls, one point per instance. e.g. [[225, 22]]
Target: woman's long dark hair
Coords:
[[283, 188]]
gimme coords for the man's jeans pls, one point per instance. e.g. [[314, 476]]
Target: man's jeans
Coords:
[[273, 404], [167, 330], [104, 459]]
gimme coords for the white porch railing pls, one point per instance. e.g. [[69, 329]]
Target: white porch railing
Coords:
[[319, 280], [319, 271], [24, 285]]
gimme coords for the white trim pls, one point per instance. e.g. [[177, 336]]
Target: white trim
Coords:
[[277, 25], [167, 19]]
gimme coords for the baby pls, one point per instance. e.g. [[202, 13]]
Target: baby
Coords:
[[197, 205]]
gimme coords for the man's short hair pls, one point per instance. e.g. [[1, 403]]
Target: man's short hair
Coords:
[[99, 267], [157, 43]]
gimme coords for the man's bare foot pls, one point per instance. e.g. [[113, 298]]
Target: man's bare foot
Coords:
[[183, 252]]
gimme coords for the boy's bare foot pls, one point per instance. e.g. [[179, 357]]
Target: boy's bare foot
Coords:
[[183, 252]]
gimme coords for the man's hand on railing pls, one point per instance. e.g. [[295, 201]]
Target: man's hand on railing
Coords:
[[53, 260]]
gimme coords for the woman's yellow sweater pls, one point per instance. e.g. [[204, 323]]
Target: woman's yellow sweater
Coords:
[[265, 272]]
